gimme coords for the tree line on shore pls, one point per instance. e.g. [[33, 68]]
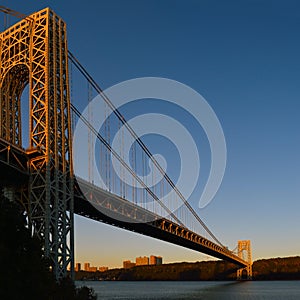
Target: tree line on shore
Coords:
[[265, 269]]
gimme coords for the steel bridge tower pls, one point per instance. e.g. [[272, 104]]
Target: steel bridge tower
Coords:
[[34, 52], [244, 252]]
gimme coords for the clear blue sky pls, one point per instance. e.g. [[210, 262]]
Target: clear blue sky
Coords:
[[243, 56]]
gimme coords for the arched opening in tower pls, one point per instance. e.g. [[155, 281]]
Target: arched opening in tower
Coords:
[[244, 275], [14, 125], [25, 117]]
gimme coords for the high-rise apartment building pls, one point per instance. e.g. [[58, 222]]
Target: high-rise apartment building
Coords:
[[77, 267], [158, 260], [155, 260], [127, 264], [142, 261], [86, 266]]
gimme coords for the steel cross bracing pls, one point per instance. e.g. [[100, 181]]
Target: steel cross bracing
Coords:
[[244, 252], [34, 52]]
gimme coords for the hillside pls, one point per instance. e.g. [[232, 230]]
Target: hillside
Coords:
[[266, 269]]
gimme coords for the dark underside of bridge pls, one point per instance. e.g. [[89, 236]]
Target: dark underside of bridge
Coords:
[[13, 165], [11, 176], [86, 209], [151, 228], [13, 172]]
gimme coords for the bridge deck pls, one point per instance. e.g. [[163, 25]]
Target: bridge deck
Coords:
[[105, 207], [111, 209]]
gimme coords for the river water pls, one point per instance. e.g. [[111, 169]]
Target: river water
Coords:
[[186, 290]]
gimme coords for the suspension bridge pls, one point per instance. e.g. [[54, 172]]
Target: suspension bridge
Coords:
[[34, 55]]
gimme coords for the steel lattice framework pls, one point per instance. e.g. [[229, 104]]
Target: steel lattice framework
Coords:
[[244, 252], [34, 51]]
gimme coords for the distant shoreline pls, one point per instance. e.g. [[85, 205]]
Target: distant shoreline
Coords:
[[287, 268]]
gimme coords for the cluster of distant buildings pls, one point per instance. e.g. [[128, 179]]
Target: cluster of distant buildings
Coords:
[[139, 261], [143, 261], [89, 268]]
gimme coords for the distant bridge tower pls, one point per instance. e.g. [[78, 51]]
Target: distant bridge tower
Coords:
[[34, 52], [244, 252]]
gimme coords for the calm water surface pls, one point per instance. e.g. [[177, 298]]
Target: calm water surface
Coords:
[[154, 290]]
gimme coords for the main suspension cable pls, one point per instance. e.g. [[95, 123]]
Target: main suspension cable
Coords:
[[84, 72]]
